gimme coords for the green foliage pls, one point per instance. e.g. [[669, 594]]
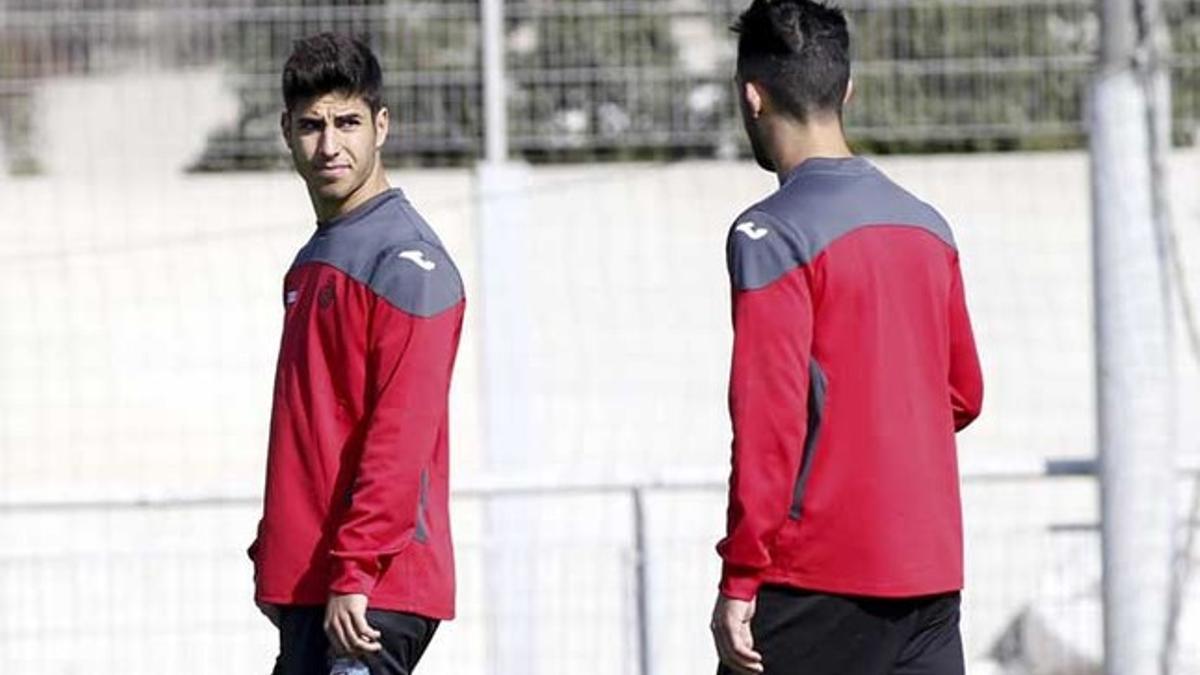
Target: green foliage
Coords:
[[950, 76], [604, 80], [588, 81], [579, 78], [944, 75], [429, 53]]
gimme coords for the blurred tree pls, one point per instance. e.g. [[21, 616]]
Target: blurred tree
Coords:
[[952, 76], [429, 53], [582, 80], [595, 80]]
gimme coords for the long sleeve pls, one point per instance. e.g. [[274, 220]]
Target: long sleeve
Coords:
[[853, 363], [409, 363], [768, 399], [357, 491], [966, 379]]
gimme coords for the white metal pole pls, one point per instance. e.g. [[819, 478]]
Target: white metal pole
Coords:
[[495, 91], [1132, 375], [501, 198], [1160, 119]]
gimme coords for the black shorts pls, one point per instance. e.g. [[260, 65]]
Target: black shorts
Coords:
[[805, 633], [304, 647]]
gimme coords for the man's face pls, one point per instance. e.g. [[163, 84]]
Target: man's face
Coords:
[[335, 142], [750, 105]]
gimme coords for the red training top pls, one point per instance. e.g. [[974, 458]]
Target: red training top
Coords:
[[853, 366], [357, 486]]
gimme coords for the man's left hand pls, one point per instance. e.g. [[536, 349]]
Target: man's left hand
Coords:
[[731, 632], [347, 627]]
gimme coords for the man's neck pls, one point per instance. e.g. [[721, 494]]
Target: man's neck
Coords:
[[375, 185], [799, 143]]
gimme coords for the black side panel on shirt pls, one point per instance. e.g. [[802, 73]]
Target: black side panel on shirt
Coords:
[[817, 386], [422, 532]]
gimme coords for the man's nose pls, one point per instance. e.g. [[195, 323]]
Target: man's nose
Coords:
[[329, 143]]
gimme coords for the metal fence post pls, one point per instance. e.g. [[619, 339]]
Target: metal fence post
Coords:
[[509, 436], [495, 90], [641, 581], [1132, 371]]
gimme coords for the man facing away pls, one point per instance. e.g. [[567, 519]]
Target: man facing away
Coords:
[[353, 559], [853, 367]]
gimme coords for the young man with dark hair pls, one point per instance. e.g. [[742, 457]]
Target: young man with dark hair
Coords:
[[353, 559], [853, 367]]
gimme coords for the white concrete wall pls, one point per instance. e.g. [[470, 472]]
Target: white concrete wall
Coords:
[[140, 313]]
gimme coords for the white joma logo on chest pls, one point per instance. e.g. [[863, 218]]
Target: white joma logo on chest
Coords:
[[418, 259], [749, 229]]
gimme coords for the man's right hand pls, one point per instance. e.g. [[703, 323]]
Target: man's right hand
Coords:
[[731, 632], [346, 625]]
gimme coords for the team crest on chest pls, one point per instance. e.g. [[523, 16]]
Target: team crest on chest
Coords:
[[327, 294]]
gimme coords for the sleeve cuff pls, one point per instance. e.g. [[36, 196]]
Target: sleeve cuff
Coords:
[[739, 583], [351, 575]]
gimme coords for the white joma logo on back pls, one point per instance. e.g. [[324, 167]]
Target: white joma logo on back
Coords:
[[750, 230], [418, 258]]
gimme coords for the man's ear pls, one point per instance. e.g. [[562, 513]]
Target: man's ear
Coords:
[[285, 126], [755, 98], [382, 122], [849, 91]]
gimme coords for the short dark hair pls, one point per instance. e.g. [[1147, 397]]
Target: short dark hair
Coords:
[[799, 51], [329, 62]]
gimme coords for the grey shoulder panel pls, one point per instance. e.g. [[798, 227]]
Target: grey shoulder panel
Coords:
[[935, 223], [417, 277], [793, 226], [761, 248], [394, 253]]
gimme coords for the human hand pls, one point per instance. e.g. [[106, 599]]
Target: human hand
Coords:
[[346, 625], [731, 633]]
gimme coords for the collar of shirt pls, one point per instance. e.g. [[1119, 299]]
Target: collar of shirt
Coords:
[[843, 165], [361, 211]]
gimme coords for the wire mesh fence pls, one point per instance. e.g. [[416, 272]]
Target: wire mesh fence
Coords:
[[594, 79], [140, 289], [136, 361], [628, 595]]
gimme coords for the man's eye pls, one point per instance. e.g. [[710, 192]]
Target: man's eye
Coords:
[[347, 123]]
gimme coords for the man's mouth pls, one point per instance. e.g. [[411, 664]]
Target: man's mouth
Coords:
[[333, 171]]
